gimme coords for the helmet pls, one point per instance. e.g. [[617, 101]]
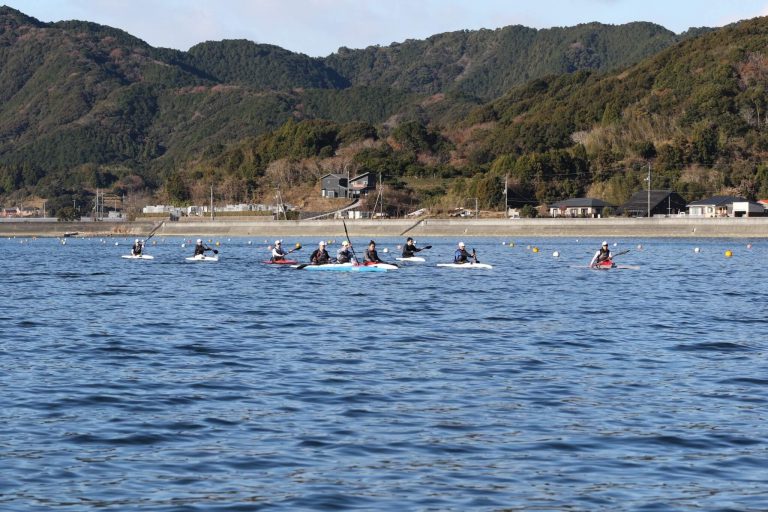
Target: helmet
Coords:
[[278, 242], [605, 243], [136, 241], [461, 244], [199, 241], [322, 242], [344, 243]]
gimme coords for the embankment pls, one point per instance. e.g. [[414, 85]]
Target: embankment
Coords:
[[676, 227]]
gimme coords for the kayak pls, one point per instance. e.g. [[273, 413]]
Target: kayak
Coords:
[[346, 267], [280, 262], [465, 265], [138, 257], [201, 257], [412, 259]]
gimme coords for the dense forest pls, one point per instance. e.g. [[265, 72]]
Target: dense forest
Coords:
[[553, 114]]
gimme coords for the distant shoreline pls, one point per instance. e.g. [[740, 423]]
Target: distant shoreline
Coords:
[[657, 227]]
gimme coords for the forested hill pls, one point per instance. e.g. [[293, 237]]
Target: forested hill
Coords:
[[487, 63], [84, 106]]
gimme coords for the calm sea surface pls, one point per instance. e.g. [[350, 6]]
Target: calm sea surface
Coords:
[[539, 385]]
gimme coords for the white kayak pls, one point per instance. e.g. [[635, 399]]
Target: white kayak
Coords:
[[138, 257], [347, 267], [202, 257], [465, 265], [412, 259]]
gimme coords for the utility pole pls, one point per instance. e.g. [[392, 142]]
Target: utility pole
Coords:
[[211, 202], [649, 189]]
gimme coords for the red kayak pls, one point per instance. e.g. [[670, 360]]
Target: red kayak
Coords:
[[280, 262], [605, 264]]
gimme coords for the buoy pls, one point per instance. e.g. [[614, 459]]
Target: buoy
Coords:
[[116, 243], [183, 245], [728, 253], [218, 244], [749, 246], [615, 244], [556, 254], [386, 250], [696, 249], [249, 242], [503, 243], [639, 247], [511, 244], [535, 249]]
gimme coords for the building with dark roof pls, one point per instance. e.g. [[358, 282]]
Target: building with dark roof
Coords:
[[579, 207], [662, 202]]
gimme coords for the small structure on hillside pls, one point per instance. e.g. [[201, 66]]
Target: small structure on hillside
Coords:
[[662, 202], [579, 207], [334, 185], [362, 184]]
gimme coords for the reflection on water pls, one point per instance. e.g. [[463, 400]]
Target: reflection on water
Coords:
[[538, 385]]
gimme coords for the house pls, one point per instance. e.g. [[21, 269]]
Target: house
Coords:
[[362, 184], [579, 207], [662, 202], [334, 185], [715, 206]]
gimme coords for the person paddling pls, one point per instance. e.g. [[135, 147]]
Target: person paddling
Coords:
[[410, 249], [344, 254], [462, 256], [138, 246], [371, 256], [601, 256], [278, 253], [200, 248], [320, 256]]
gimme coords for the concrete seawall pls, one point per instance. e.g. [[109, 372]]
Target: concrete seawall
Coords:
[[673, 227]]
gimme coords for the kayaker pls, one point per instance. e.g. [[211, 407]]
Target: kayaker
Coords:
[[371, 256], [278, 253], [462, 256], [200, 248], [410, 249], [344, 254], [320, 256], [604, 254], [138, 245]]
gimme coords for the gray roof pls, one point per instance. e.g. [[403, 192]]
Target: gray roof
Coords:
[[718, 201], [581, 202]]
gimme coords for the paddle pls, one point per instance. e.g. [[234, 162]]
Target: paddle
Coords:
[[154, 230], [348, 240], [474, 256]]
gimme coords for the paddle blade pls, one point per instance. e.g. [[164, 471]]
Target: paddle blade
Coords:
[[215, 251], [427, 246]]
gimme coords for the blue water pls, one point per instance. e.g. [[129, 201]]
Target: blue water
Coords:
[[538, 385]]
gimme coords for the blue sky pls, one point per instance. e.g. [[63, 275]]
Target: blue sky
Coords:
[[320, 27]]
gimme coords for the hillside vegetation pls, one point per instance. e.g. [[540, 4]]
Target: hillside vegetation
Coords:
[[446, 121]]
